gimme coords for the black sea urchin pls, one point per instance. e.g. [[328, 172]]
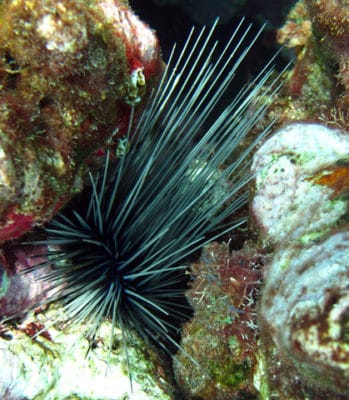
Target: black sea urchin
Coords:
[[119, 249]]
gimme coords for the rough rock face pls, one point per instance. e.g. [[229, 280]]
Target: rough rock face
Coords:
[[305, 309], [68, 74], [300, 184], [318, 85], [53, 365], [331, 27], [19, 291], [300, 208], [221, 338]]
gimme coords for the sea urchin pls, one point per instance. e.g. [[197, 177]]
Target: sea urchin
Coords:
[[119, 250]]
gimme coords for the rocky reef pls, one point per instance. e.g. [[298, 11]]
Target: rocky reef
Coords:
[[271, 304], [43, 360], [271, 319], [68, 75], [298, 227], [317, 86], [301, 211], [222, 336]]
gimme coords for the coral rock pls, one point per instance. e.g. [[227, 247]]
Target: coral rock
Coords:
[[300, 208], [331, 22], [41, 367], [222, 336], [317, 88], [294, 199], [19, 292], [68, 73], [305, 309]]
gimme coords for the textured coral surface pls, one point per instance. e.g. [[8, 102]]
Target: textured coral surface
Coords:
[[18, 291], [296, 198], [331, 24], [300, 208], [68, 73], [222, 336], [54, 366], [317, 86]]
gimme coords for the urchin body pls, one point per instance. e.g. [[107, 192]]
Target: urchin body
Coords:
[[119, 250]]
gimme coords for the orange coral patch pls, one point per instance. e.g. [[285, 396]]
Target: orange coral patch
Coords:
[[337, 178]]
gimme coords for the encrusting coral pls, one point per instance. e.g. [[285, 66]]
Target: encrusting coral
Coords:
[[300, 209], [68, 73], [299, 212], [222, 335], [317, 87]]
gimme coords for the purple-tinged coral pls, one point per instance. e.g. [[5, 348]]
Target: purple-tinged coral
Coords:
[[20, 292], [68, 74]]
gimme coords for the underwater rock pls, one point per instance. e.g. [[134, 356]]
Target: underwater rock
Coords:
[[300, 208], [331, 27], [221, 338], [18, 291], [317, 87], [300, 183], [53, 365], [68, 74], [304, 320]]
